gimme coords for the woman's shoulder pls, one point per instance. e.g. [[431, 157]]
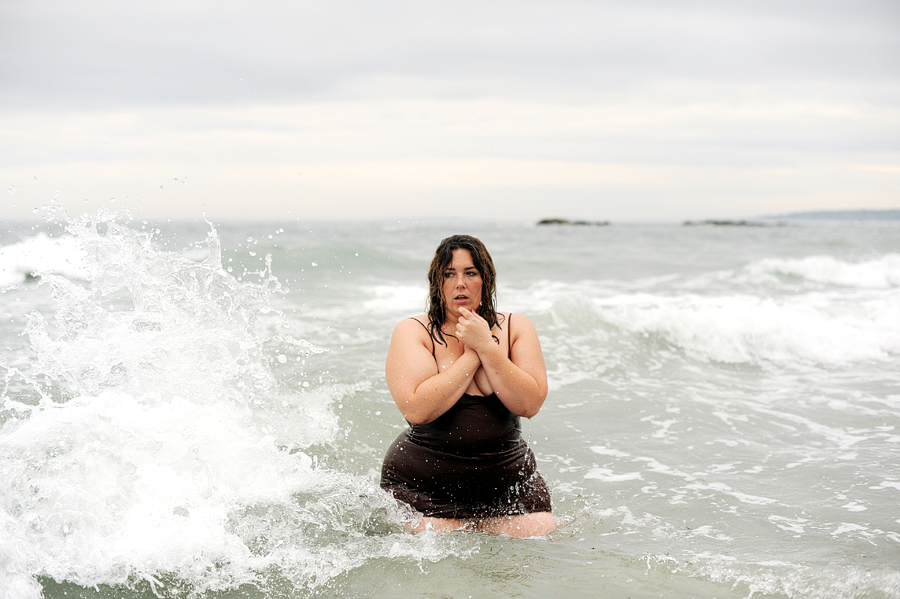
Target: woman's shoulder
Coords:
[[422, 319], [413, 324], [513, 316], [517, 323], [413, 331], [506, 318]]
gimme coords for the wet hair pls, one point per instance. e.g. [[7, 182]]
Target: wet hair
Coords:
[[443, 255]]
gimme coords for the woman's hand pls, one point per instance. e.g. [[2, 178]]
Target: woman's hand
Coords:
[[421, 391], [473, 331], [519, 377]]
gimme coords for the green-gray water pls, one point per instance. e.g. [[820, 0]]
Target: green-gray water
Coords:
[[197, 412]]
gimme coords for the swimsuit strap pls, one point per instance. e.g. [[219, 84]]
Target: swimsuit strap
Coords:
[[509, 336], [429, 334]]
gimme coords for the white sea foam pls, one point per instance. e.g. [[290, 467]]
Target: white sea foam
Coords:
[[162, 441], [794, 580], [878, 273], [813, 328], [114, 485], [113, 488], [607, 475], [832, 325], [608, 451], [888, 484], [395, 299], [41, 255]]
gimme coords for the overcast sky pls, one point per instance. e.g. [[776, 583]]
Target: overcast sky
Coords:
[[622, 111]]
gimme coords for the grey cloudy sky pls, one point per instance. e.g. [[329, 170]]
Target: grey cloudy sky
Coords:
[[644, 110]]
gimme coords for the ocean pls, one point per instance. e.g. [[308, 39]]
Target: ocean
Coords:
[[198, 410]]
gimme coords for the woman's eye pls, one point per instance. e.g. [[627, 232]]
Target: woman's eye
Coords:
[[472, 273]]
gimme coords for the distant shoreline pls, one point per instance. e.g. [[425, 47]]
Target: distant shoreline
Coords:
[[838, 215]]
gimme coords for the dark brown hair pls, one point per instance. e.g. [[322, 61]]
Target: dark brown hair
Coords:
[[443, 255]]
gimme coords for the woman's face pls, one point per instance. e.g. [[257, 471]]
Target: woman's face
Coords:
[[462, 283]]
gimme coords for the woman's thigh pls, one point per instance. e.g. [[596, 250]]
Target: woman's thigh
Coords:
[[535, 524], [439, 524]]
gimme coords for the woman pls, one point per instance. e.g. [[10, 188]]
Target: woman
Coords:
[[462, 375]]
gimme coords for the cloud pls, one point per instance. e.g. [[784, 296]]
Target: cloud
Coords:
[[493, 158], [601, 109], [106, 53]]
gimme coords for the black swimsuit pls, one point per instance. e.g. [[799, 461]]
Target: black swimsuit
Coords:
[[470, 462]]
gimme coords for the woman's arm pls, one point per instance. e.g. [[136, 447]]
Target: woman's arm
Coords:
[[419, 390], [520, 380]]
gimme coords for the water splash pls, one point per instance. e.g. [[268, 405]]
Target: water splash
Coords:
[[161, 449], [147, 320]]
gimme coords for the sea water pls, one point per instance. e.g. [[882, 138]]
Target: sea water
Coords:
[[199, 410]]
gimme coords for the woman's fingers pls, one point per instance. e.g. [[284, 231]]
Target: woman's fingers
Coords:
[[471, 328]]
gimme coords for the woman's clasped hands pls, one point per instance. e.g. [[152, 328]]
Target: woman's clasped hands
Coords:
[[473, 331]]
